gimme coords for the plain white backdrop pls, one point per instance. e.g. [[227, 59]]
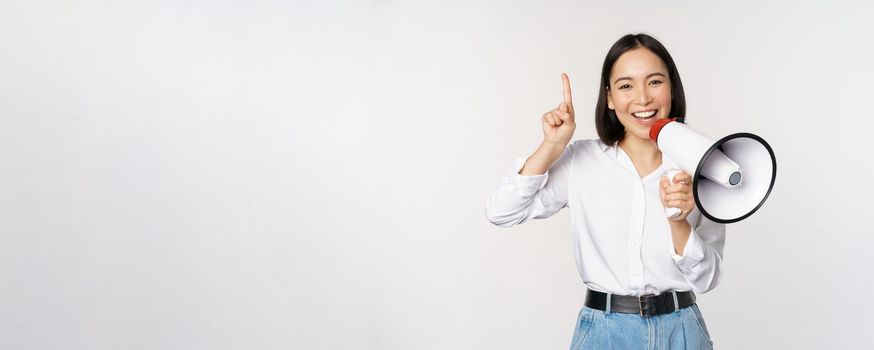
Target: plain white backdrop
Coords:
[[313, 175]]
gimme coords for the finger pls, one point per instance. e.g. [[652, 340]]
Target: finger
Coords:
[[681, 188], [566, 85], [547, 119], [553, 120], [674, 184], [562, 115], [676, 197], [677, 204], [682, 177]]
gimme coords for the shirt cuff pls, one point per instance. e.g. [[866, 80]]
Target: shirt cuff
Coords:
[[525, 185], [693, 253]]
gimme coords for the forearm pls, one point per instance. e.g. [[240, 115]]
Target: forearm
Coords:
[[680, 231], [698, 253], [539, 162]]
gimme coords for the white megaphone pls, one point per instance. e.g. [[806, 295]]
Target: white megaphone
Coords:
[[731, 177]]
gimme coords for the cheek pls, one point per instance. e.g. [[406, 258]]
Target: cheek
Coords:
[[662, 98], [663, 95], [621, 102]]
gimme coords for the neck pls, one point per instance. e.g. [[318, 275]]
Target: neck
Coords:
[[640, 149]]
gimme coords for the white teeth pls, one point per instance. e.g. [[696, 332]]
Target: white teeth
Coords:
[[644, 114]]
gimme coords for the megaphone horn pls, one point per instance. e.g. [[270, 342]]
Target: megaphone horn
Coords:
[[732, 177]]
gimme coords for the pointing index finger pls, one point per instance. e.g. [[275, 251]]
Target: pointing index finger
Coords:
[[566, 84]]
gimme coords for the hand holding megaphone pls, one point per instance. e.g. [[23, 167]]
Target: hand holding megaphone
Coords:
[[676, 194]]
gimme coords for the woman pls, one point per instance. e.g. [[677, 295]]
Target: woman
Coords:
[[641, 268]]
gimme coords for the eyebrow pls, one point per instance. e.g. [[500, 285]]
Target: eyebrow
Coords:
[[647, 77]]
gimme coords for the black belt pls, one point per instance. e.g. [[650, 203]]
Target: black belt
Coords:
[[645, 305]]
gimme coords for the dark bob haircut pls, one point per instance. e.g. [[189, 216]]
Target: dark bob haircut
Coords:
[[609, 128]]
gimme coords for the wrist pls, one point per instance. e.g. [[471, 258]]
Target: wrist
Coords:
[[553, 144], [551, 150], [680, 224]]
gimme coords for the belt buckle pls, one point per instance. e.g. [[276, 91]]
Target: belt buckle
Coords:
[[646, 304]]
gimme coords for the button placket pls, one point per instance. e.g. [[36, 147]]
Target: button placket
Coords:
[[635, 261]]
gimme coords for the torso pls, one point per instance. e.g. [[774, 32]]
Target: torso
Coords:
[[623, 242], [644, 168]]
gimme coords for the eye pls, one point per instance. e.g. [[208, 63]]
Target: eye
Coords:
[[624, 86], [655, 82]]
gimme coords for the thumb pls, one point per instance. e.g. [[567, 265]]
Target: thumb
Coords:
[[563, 115], [563, 107]]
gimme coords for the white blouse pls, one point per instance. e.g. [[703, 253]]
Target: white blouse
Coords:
[[622, 239]]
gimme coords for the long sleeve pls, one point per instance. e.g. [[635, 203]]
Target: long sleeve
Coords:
[[701, 262], [518, 198]]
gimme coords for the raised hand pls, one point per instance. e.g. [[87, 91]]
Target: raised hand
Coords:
[[559, 123]]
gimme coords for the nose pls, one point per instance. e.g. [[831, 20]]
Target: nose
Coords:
[[643, 97]]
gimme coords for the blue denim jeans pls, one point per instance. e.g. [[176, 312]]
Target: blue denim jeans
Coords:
[[681, 329]]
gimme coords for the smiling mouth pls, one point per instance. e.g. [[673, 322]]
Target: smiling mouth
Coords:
[[644, 115]]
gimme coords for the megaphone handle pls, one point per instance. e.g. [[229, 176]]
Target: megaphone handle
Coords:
[[671, 212]]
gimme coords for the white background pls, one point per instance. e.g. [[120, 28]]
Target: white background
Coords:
[[313, 175]]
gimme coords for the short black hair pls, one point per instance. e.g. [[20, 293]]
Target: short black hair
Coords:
[[609, 128]]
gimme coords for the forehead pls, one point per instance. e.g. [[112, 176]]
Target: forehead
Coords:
[[637, 63]]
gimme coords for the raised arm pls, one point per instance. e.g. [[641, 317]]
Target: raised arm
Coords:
[[537, 186]]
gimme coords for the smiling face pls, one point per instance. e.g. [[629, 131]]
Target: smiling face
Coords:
[[640, 91]]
